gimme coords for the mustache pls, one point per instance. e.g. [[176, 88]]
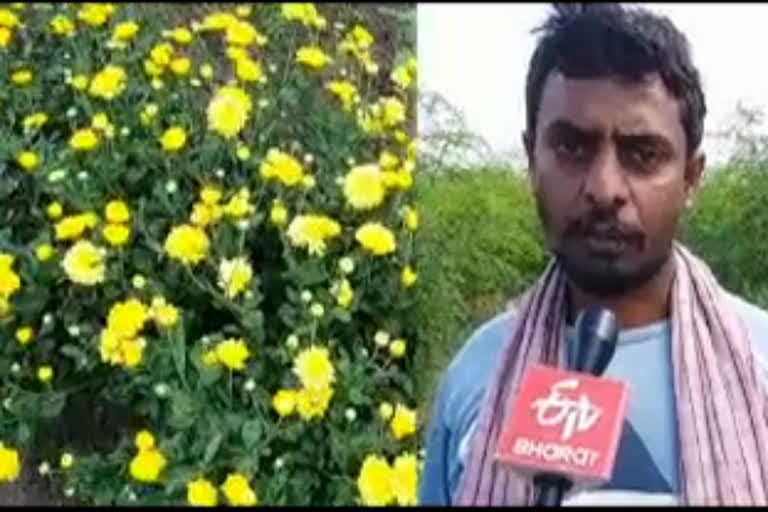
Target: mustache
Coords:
[[599, 224]]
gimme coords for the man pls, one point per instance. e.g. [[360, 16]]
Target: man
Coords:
[[615, 114]]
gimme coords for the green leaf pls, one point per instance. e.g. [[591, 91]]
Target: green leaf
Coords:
[[74, 352], [183, 411], [251, 433], [307, 274], [31, 406], [179, 351], [212, 448], [177, 478]]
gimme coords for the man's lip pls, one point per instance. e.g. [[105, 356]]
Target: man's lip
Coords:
[[607, 243]]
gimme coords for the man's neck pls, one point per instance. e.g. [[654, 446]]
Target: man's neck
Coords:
[[641, 306]]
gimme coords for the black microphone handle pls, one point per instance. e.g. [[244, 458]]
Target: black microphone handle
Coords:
[[596, 333], [551, 488]]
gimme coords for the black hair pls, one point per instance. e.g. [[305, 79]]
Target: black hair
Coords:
[[594, 40]]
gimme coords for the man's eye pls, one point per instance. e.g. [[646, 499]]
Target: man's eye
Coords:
[[642, 155], [570, 149]]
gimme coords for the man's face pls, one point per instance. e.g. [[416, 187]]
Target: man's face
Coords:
[[611, 177]]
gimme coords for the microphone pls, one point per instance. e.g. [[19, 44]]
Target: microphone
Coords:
[[566, 424]]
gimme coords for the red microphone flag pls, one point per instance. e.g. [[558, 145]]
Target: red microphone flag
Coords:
[[564, 422]]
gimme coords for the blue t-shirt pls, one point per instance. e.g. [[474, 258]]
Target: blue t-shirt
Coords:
[[646, 467]]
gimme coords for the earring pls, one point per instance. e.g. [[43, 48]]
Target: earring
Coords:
[[689, 202]]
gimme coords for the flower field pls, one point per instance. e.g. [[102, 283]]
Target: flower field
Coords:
[[207, 231]]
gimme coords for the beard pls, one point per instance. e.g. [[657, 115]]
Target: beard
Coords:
[[608, 277]]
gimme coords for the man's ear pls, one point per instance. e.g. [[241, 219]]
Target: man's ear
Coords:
[[694, 169]]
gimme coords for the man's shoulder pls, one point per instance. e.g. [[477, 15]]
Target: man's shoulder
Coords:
[[471, 368]]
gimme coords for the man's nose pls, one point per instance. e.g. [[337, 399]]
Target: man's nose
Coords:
[[605, 184]]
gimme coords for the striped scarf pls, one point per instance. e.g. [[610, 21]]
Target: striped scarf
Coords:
[[720, 398]]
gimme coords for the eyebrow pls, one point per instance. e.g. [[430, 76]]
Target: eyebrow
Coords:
[[563, 127]]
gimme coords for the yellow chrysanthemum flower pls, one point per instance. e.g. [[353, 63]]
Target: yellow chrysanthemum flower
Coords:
[[206, 71], [344, 293], [8, 19], [21, 77], [201, 493], [210, 195], [282, 167], [202, 215], [232, 353], [404, 422], [304, 12], [410, 218], [186, 243], [234, 276], [313, 57], [144, 440], [84, 263], [44, 252], [132, 352], [364, 187], [405, 475], [181, 66], [393, 111], [228, 111], [173, 139], [238, 491], [62, 26], [248, 70], [239, 204], [164, 314], [125, 31], [108, 83], [218, 21], [44, 373], [72, 226], [161, 54], [408, 276], [397, 348], [116, 234], [117, 211], [67, 460], [236, 53], [79, 82], [346, 92], [95, 14], [182, 35], [314, 368], [386, 410], [284, 402], [243, 33], [10, 467], [35, 121], [278, 214], [84, 140], [28, 160], [312, 232], [375, 482], [126, 319], [5, 37], [9, 280], [376, 238], [313, 403], [24, 335], [54, 210], [147, 465]]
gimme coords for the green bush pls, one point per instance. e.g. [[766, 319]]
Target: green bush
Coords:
[[726, 227], [480, 246]]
